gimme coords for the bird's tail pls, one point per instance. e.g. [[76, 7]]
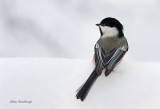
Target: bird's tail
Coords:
[[83, 91]]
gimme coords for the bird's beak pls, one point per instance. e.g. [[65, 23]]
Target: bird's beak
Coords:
[[97, 24]]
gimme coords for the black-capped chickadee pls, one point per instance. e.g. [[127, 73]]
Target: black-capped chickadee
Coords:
[[109, 50]]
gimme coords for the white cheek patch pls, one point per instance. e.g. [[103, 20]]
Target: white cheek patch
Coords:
[[109, 31]]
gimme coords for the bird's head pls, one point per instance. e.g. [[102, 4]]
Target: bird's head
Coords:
[[110, 27]]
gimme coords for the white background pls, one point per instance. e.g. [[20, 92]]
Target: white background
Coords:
[[66, 28]]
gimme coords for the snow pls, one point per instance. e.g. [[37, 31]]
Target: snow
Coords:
[[51, 83]]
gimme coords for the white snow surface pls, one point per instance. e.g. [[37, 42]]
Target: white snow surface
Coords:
[[51, 83]]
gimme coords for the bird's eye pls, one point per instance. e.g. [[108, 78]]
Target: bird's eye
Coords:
[[103, 24]]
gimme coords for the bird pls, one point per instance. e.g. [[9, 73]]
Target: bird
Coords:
[[109, 50]]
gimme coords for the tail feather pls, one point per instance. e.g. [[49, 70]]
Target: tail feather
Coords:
[[83, 91]]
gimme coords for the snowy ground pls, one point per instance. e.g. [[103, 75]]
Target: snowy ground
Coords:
[[51, 84]]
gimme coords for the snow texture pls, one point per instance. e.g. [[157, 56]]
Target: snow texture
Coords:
[[51, 83]]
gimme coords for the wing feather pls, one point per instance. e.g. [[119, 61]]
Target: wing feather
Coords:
[[104, 59]]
